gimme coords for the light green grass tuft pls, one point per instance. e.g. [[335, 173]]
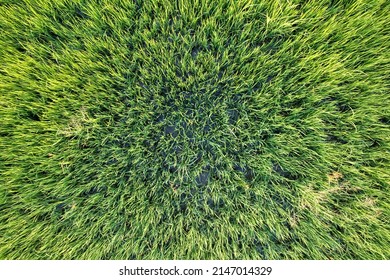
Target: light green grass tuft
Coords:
[[194, 129]]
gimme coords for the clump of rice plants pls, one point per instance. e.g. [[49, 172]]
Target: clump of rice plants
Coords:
[[194, 129]]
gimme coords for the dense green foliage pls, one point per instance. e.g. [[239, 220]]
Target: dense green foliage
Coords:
[[194, 129]]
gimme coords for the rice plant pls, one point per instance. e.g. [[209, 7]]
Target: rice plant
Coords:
[[197, 129]]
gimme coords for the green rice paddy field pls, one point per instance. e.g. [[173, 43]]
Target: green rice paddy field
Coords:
[[202, 129]]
